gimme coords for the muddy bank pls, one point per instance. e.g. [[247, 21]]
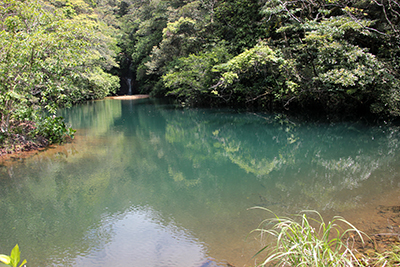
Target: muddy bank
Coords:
[[382, 225], [27, 150], [20, 145], [20, 139]]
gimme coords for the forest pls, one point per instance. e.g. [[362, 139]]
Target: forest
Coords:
[[339, 56]]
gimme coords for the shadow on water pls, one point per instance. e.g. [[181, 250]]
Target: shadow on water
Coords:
[[150, 183]]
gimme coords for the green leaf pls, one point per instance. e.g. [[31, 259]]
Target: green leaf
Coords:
[[351, 91], [5, 259], [23, 262], [15, 256]]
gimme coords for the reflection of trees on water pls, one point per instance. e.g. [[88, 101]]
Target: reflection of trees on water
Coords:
[[309, 160], [201, 168], [98, 116], [307, 163]]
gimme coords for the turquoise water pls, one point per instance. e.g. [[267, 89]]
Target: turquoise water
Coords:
[[148, 184]]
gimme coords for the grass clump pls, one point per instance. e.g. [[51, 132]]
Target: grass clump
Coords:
[[388, 258], [308, 240]]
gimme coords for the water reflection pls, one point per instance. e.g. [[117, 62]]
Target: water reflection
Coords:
[[143, 180], [140, 238]]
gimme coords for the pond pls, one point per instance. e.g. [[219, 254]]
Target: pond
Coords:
[[145, 183]]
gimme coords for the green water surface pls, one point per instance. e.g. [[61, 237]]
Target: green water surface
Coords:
[[148, 184]]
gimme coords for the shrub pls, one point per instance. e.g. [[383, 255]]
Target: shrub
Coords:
[[53, 129]]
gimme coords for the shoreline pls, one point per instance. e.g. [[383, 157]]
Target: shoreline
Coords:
[[22, 149]]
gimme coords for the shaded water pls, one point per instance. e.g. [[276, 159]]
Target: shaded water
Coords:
[[146, 184]]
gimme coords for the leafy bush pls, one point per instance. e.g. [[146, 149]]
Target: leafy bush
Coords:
[[54, 129]]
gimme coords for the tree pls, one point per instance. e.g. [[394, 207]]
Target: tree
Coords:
[[327, 54], [332, 46], [240, 23], [192, 77], [335, 55], [49, 58]]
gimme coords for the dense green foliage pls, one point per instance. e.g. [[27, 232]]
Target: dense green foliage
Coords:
[[53, 129], [332, 54], [51, 56]]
